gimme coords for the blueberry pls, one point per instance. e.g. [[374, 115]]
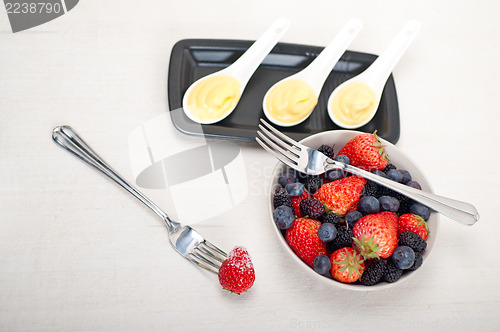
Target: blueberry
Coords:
[[388, 203], [343, 159], [379, 173], [334, 174], [368, 205], [352, 218], [288, 176], [283, 216], [327, 232], [406, 176], [394, 175], [421, 210], [322, 264], [295, 188], [414, 184], [403, 257]]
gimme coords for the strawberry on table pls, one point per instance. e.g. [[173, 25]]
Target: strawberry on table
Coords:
[[366, 151], [413, 223], [347, 265], [303, 238], [341, 196], [236, 273], [375, 235]]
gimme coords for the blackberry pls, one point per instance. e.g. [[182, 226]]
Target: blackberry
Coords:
[[418, 262], [396, 195], [413, 241], [388, 167], [343, 239], [404, 206], [312, 207], [392, 273], [326, 150], [281, 198], [373, 273], [313, 183], [371, 189], [332, 218]]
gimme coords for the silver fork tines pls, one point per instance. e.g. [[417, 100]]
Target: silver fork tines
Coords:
[[290, 152], [313, 162], [278, 144], [207, 256]]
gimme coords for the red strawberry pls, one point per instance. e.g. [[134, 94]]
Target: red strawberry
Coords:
[[376, 235], [236, 274], [341, 195], [413, 223], [347, 265], [303, 238], [366, 151], [296, 203]]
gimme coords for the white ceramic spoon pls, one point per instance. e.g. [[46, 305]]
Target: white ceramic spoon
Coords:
[[243, 68], [379, 71], [316, 72]]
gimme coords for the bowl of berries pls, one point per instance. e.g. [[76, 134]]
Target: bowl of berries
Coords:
[[349, 231]]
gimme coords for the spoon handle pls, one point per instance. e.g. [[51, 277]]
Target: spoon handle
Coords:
[[244, 67], [66, 137], [382, 67], [462, 212], [318, 70]]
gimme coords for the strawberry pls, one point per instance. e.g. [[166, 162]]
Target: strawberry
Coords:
[[341, 195], [303, 238], [236, 273], [413, 223], [366, 151], [347, 265], [296, 203], [376, 235]]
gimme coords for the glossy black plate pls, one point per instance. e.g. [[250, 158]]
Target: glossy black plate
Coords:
[[192, 59]]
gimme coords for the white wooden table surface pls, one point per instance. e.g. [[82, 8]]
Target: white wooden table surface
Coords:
[[78, 254]]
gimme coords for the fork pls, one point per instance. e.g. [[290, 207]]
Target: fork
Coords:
[[313, 162], [185, 240]]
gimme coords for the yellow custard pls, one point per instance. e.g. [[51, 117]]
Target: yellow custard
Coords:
[[354, 104], [214, 97], [291, 101]]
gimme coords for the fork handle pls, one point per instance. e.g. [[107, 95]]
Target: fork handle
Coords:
[[66, 137], [462, 212]]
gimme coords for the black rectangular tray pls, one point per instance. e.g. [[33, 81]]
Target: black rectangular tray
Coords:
[[192, 59]]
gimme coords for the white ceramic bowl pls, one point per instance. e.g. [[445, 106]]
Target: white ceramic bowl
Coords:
[[400, 160]]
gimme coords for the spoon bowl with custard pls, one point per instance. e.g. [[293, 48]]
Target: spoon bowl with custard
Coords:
[[292, 100], [213, 97], [354, 103]]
